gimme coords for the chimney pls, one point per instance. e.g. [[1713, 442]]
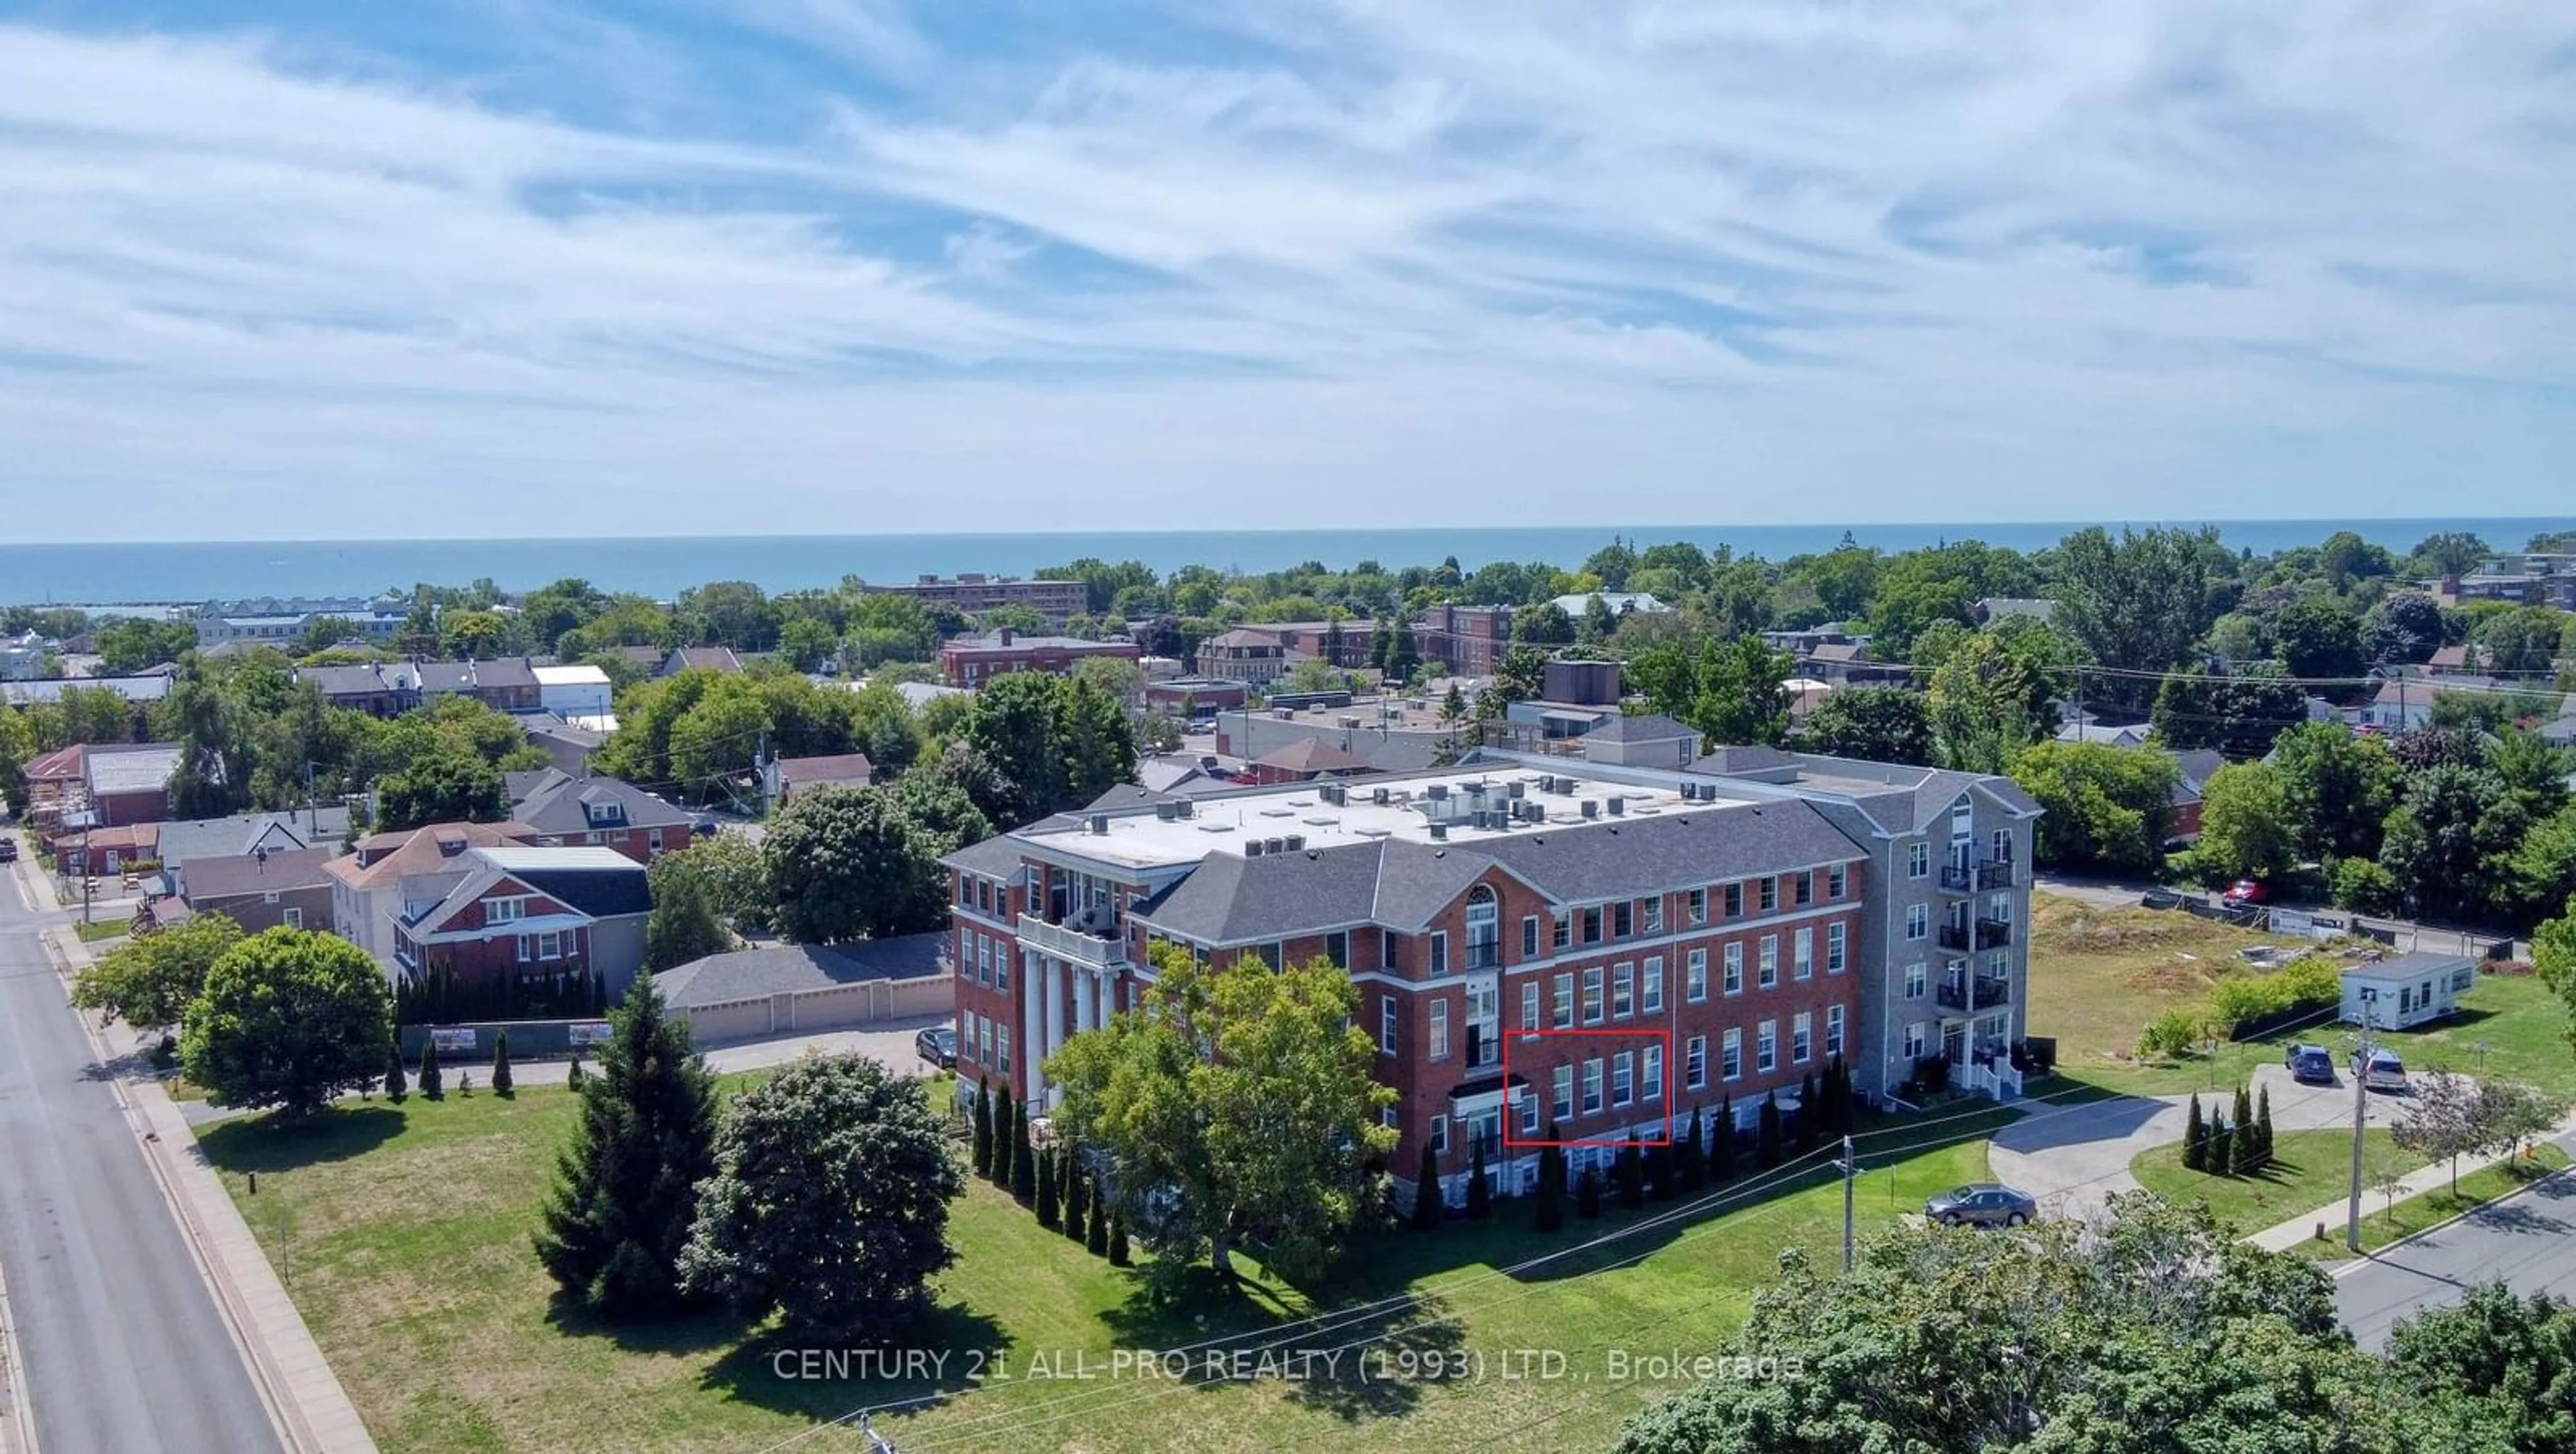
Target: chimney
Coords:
[[1007, 634]]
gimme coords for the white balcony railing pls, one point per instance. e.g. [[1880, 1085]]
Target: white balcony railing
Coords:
[[1071, 944]]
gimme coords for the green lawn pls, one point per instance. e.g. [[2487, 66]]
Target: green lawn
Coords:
[[2308, 1170], [98, 929], [402, 1232], [2413, 1214], [2097, 976]]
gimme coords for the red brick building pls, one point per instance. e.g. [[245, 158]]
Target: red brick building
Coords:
[[971, 661], [533, 914], [1465, 640], [1711, 944]]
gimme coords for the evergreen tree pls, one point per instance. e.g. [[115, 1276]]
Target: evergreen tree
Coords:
[[1076, 1211], [1631, 1167], [573, 1075], [625, 1192], [1551, 1185], [1766, 1145], [1480, 1197], [1811, 1113], [395, 1086], [1005, 1120], [1426, 1192], [2195, 1140], [501, 1085], [1661, 1180], [1047, 1216], [1095, 1236], [1721, 1154], [1024, 1170], [1694, 1156], [2222, 1146], [431, 1088], [983, 1131], [1587, 1195], [2263, 1124], [2248, 1152], [1841, 1097], [1118, 1241]]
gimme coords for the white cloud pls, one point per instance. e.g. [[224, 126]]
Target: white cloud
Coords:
[[1396, 261]]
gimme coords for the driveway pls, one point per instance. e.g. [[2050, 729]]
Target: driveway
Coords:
[[2073, 1157]]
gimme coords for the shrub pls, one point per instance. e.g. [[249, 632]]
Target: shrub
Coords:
[[1587, 1195], [2365, 886], [1426, 1192], [2169, 1036]]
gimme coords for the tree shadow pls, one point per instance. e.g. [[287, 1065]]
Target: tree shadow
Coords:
[[276, 1143], [949, 1351], [692, 1331], [136, 1064]]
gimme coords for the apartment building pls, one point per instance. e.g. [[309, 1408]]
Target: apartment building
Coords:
[[1533, 953], [1465, 640], [974, 593], [971, 661]]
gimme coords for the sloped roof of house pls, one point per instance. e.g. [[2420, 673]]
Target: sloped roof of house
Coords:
[[211, 880], [1312, 754], [721, 658], [754, 974], [426, 849], [231, 837], [350, 681], [597, 883], [62, 762], [553, 801], [2109, 734], [132, 767], [468, 676]]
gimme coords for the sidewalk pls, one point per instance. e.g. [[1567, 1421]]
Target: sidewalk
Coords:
[[305, 1398], [2422, 1179]]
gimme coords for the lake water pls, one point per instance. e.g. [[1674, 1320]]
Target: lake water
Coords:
[[663, 565]]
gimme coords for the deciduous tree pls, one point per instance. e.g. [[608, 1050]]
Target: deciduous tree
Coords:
[[148, 982], [289, 1018]]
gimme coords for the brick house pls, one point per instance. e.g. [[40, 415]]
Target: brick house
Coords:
[[972, 593], [971, 661], [1466, 640], [506, 683], [394, 877], [568, 811], [542, 915]]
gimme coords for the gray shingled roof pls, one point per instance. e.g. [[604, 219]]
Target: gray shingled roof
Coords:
[[232, 837], [467, 676], [995, 857], [2407, 966], [750, 974], [1229, 899], [212, 879], [555, 802]]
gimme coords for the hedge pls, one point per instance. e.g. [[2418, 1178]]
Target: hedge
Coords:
[[2250, 1006]]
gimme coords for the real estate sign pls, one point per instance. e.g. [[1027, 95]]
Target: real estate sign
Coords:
[[584, 1033], [453, 1042]]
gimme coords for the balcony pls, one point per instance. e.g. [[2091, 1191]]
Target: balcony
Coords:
[[1993, 933], [1955, 936], [1995, 873], [1983, 876], [1061, 942], [1485, 955], [1983, 993], [1957, 879]]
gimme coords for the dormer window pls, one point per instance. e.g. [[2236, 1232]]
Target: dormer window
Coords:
[[608, 814], [505, 911]]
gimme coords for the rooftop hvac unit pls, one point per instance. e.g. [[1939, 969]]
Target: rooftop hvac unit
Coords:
[[1276, 845], [1535, 812], [1333, 793], [1378, 796], [1567, 785], [1547, 782], [1591, 808], [1167, 811], [1618, 805], [1517, 788], [1439, 831], [1293, 842], [1436, 792], [1350, 722], [1100, 823], [1252, 848]]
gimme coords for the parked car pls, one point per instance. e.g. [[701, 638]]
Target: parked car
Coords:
[[2384, 1071], [1982, 1204], [2247, 891], [2309, 1064], [704, 825], [8, 850], [938, 1045]]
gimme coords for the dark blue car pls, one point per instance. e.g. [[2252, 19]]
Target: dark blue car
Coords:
[[2310, 1064]]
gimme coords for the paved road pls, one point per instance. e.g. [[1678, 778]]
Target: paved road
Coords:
[[2072, 1158], [124, 1348], [2529, 1241]]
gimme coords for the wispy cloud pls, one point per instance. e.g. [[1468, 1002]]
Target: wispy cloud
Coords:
[[836, 264]]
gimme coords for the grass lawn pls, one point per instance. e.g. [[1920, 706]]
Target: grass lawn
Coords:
[[402, 1233], [2097, 976], [2413, 1214], [98, 929], [2308, 1170]]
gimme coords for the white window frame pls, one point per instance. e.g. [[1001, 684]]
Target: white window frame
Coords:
[[1802, 953], [1564, 1006], [1914, 1042], [1802, 1037], [1730, 1062], [1650, 998], [1833, 1031], [294, 917], [1766, 1047], [1735, 967], [1837, 948], [1918, 921], [1623, 1079], [1654, 920], [1623, 990], [1837, 880], [1386, 1023], [1592, 1086], [1439, 1029], [1650, 1075], [1918, 979], [1594, 1001], [1529, 1004], [1767, 974], [1918, 859], [1561, 1092], [1695, 1063], [1439, 961], [1695, 977], [1698, 906]]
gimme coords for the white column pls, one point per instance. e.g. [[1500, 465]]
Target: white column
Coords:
[[1029, 1023], [1054, 1017], [1108, 985], [1085, 981]]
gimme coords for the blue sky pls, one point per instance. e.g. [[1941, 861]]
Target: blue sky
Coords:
[[532, 267]]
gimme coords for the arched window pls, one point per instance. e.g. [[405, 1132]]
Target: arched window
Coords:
[[1484, 928]]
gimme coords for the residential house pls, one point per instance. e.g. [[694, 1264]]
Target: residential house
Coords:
[[971, 661], [781, 778], [245, 835], [544, 916], [291, 888], [1303, 760], [139, 690], [2192, 772], [2451, 660], [22, 657], [646, 659], [1990, 609], [506, 683], [596, 811], [379, 689], [1649, 740], [128, 782], [973, 593], [1248, 655], [2406, 991], [57, 782], [713, 658], [567, 745], [1715, 932], [1194, 696], [1464, 640], [393, 877], [2106, 734], [106, 852]]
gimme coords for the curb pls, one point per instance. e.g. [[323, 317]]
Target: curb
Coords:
[[18, 1430], [2359, 1260], [308, 1420]]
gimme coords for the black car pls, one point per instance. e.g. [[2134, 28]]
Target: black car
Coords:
[[938, 1045], [1982, 1204], [2310, 1064], [8, 849]]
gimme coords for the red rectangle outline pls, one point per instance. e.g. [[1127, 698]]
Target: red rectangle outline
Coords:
[[1510, 1143]]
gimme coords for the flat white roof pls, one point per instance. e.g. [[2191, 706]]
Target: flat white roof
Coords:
[[1222, 824], [570, 676], [518, 858]]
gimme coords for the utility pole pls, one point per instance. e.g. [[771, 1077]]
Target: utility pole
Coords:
[[1851, 1174], [2360, 1112]]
